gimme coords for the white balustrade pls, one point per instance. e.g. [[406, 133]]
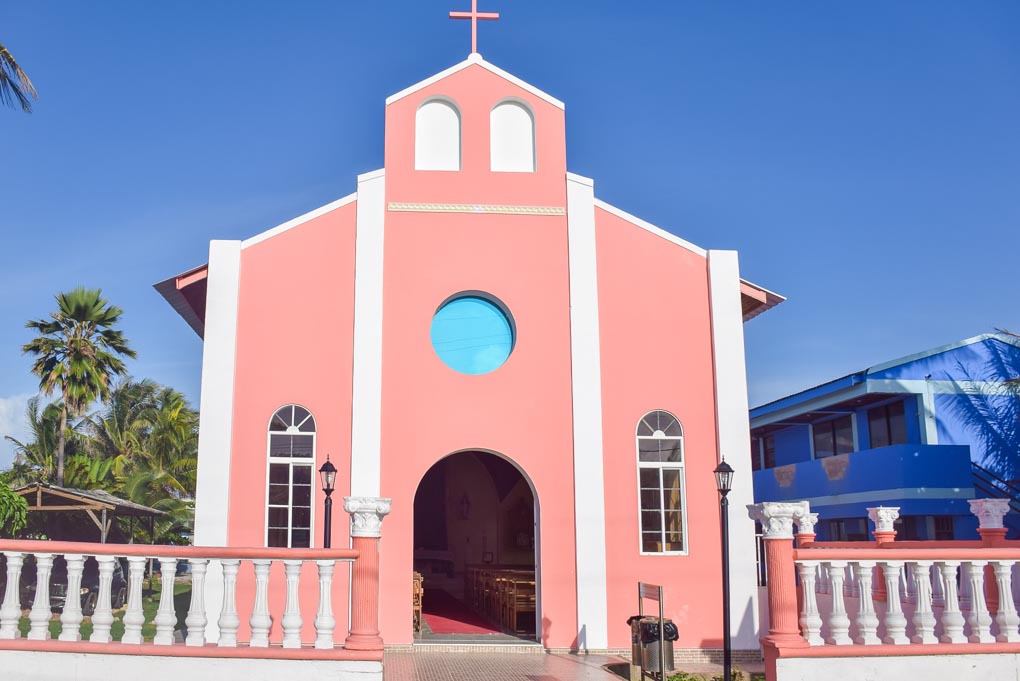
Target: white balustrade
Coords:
[[325, 623], [952, 618], [261, 621], [134, 617], [839, 623], [978, 620], [1006, 618], [895, 622], [292, 611], [924, 617], [102, 618], [40, 613], [197, 619], [229, 621], [10, 611], [866, 620], [810, 621], [71, 617], [166, 616]]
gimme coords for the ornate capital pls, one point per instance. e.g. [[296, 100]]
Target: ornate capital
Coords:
[[777, 518], [989, 512], [806, 523], [366, 515], [884, 517]]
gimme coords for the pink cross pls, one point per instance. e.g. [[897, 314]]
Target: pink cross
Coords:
[[474, 15]]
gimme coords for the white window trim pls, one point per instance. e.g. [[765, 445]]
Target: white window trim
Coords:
[[534, 135], [290, 460], [659, 466]]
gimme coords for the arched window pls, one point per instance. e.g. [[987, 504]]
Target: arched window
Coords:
[[437, 136], [512, 138], [291, 464], [660, 453]]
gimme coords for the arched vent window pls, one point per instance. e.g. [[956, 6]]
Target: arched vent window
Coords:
[[512, 138], [660, 452], [437, 136], [291, 464]]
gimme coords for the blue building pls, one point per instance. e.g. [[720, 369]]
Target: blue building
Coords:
[[925, 432]]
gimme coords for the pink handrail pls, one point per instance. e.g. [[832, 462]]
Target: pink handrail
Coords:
[[876, 553]]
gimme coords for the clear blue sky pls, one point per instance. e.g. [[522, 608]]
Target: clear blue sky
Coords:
[[863, 157]]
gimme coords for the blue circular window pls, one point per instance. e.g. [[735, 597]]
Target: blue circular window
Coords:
[[472, 334]]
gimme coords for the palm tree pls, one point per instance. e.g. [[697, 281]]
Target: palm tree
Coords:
[[15, 86], [77, 352]]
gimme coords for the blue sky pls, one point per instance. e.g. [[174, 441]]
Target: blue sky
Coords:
[[863, 157]]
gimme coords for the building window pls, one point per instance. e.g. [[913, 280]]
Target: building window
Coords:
[[887, 425], [924, 527], [763, 454], [512, 138], [833, 437], [473, 333], [847, 529], [437, 136], [660, 448], [291, 460]]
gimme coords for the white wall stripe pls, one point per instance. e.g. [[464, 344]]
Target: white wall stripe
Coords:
[[366, 411], [733, 432], [586, 385], [217, 410]]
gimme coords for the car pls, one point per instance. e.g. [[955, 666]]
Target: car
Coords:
[[88, 591]]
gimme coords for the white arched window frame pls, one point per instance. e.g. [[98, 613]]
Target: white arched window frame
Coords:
[[662, 495], [290, 478], [512, 146], [437, 135]]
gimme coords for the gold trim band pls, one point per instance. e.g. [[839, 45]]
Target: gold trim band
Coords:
[[474, 208]]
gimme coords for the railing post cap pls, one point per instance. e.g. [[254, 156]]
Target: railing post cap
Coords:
[[777, 517], [884, 517], [989, 512]]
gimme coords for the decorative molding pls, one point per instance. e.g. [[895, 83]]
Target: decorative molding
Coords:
[[777, 518], [884, 517], [366, 515], [397, 207], [806, 522], [989, 512]]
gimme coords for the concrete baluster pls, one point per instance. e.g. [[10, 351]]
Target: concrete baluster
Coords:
[[866, 620], [166, 615], [102, 618], [810, 621], [40, 614], [895, 622], [197, 619], [924, 618], [952, 618], [134, 616], [228, 621], [292, 610], [839, 622], [325, 623], [10, 611], [978, 619], [1006, 618], [71, 616], [261, 621]]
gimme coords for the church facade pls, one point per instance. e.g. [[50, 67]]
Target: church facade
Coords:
[[541, 382]]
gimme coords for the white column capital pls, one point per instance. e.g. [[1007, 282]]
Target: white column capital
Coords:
[[366, 515], [884, 517], [806, 522], [777, 518], [989, 512]]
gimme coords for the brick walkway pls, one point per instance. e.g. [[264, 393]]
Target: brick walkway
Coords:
[[418, 666]]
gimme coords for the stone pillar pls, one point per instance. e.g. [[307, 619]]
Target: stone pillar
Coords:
[[806, 527], [366, 528], [990, 513], [884, 517], [777, 520]]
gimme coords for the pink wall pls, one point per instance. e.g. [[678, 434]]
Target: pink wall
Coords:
[[655, 334], [295, 337], [523, 409]]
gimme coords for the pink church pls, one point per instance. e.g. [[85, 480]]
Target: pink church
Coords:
[[541, 382]]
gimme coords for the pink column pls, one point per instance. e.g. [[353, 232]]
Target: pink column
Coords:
[[990, 513], [884, 518], [366, 528], [777, 519]]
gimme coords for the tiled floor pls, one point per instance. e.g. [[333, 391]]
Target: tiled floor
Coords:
[[421, 666]]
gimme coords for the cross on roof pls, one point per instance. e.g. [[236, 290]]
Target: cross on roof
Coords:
[[474, 15]]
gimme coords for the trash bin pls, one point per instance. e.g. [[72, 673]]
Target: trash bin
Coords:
[[652, 649], [634, 621]]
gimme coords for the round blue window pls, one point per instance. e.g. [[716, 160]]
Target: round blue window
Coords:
[[472, 334]]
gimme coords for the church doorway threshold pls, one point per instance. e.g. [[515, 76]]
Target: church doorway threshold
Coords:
[[475, 553]]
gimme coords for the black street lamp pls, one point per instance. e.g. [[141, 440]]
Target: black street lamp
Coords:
[[724, 483], [328, 476]]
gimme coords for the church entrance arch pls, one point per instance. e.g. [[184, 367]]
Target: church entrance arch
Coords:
[[476, 550]]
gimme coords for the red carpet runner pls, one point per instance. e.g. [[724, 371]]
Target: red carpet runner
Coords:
[[446, 615]]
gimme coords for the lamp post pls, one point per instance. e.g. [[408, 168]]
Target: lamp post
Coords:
[[724, 483], [328, 476]]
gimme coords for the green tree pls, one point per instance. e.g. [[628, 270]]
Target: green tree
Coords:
[[77, 351], [15, 86], [13, 510]]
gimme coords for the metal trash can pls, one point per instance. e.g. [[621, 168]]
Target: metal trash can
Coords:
[[652, 649]]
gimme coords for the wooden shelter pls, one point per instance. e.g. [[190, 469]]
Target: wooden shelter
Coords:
[[101, 506]]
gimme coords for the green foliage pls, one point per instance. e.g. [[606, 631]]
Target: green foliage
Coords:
[[735, 675], [15, 86], [13, 511]]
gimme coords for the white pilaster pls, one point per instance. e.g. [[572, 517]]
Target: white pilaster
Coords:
[[586, 387], [366, 409], [733, 430], [217, 409]]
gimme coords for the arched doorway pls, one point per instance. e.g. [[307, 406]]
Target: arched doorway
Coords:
[[475, 550]]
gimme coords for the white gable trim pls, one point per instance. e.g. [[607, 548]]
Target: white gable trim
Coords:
[[1001, 337], [300, 220], [475, 59], [647, 226]]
